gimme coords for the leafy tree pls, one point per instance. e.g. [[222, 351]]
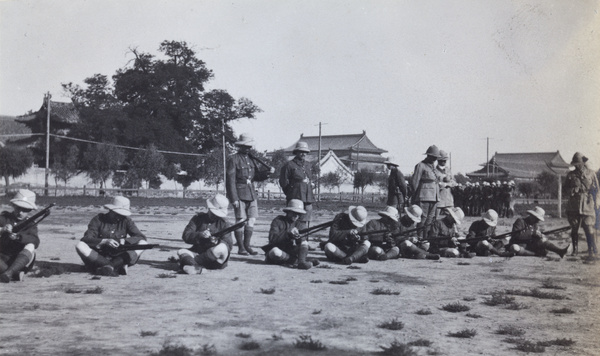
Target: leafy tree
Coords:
[[212, 168], [333, 180], [548, 183], [14, 162], [102, 161], [528, 189], [362, 179], [65, 166], [147, 164], [461, 178], [278, 159]]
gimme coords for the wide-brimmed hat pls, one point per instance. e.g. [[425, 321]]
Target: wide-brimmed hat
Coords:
[[433, 150], [578, 158], [301, 147], [414, 212], [457, 214], [296, 206], [25, 199], [390, 163], [358, 215], [120, 205], [245, 140], [537, 212], [491, 217], [218, 205], [443, 156], [390, 212]]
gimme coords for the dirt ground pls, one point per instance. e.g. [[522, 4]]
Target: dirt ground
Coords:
[[250, 308]]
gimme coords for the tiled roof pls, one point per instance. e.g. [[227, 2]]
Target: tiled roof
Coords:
[[525, 165], [339, 142], [59, 111]]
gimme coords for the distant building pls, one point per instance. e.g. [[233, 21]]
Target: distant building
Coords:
[[354, 152], [520, 166]]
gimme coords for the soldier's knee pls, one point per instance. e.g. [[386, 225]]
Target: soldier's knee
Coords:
[[367, 244], [83, 249], [277, 255], [185, 252], [406, 244], [376, 250], [142, 242], [219, 252], [451, 252], [515, 248], [30, 248], [485, 244], [329, 247]]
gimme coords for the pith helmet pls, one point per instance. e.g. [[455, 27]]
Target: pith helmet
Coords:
[[414, 212], [245, 140], [433, 151], [25, 199], [218, 205], [358, 215], [457, 214], [537, 212], [295, 205], [390, 212], [301, 147], [120, 205], [491, 217], [443, 156], [578, 158]]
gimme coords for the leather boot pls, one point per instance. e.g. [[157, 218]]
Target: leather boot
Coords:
[[559, 251], [335, 256], [502, 254], [239, 238], [359, 255], [302, 254], [189, 265], [574, 241], [247, 237], [21, 261], [393, 253]]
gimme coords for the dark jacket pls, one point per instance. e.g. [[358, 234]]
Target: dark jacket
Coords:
[[291, 180], [27, 236], [279, 233], [242, 172], [339, 233], [441, 228], [480, 228], [201, 222], [379, 224], [396, 187], [102, 228]]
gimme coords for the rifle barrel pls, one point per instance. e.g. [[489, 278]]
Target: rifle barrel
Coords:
[[258, 160]]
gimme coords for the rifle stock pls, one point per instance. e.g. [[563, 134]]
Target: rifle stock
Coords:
[[31, 221], [225, 231], [259, 160], [124, 248]]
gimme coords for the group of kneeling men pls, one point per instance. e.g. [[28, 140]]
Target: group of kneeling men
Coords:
[[352, 238]]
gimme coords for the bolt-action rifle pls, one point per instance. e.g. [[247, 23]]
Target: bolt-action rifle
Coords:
[[302, 233], [33, 220]]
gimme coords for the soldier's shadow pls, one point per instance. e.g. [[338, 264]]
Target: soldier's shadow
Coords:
[[50, 268], [247, 259], [164, 265]]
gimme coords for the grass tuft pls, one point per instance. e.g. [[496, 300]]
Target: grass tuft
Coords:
[[423, 312], [463, 263], [557, 342], [474, 316], [338, 282], [469, 299], [497, 270], [353, 267], [393, 324], [148, 333], [72, 291], [528, 346], [306, 342], [250, 345], [563, 311], [276, 337], [456, 307], [549, 284], [166, 275], [267, 290], [535, 293], [383, 291], [169, 349], [97, 290], [316, 281], [510, 330], [498, 298], [316, 311], [397, 348], [516, 306], [465, 333], [420, 342], [351, 279], [243, 335]]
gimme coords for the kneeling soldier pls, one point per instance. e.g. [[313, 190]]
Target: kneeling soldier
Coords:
[[17, 250], [383, 247], [207, 251], [410, 246], [528, 240], [286, 245], [486, 228], [345, 244], [98, 248], [444, 234]]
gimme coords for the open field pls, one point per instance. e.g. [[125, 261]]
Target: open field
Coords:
[[250, 308]]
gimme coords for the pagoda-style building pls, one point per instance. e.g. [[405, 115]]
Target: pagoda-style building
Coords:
[[521, 166]]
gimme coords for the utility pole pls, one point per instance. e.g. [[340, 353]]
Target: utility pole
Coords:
[[224, 156], [319, 165], [47, 172], [487, 158]]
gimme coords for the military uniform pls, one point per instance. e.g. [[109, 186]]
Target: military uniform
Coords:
[[294, 180], [192, 234]]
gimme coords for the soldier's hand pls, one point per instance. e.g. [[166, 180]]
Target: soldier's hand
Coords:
[[454, 241], [214, 241], [13, 236], [272, 170], [109, 242], [236, 204], [354, 234], [294, 232], [413, 239], [205, 234], [7, 228]]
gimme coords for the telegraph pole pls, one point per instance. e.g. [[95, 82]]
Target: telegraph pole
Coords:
[[487, 158], [47, 171], [224, 156], [319, 165]]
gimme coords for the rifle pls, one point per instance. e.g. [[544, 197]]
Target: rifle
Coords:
[[33, 220], [560, 229], [259, 160], [112, 251], [316, 228], [225, 231], [410, 231], [497, 237], [363, 235]]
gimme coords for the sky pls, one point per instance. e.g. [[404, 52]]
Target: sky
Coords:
[[454, 73]]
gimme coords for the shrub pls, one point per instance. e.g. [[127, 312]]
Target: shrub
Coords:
[[456, 307], [393, 324], [148, 333], [97, 290], [465, 333], [528, 346], [338, 282], [397, 348], [510, 330], [420, 342], [549, 284], [423, 312], [474, 316], [306, 342], [498, 298], [267, 291], [563, 311], [557, 342], [382, 291]]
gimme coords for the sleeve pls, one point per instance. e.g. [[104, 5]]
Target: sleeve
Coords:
[[415, 179], [190, 235], [336, 234], [230, 180], [435, 229], [401, 182], [29, 236], [259, 175], [135, 235], [521, 232], [278, 232], [472, 233], [283, 178], [92, 234]]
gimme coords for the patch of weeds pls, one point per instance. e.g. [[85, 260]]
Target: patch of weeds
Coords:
[[535, 293], [324, 266], [420, 342], [423, 312], [338, 282], [374, 280], [316, 281], [557, 342], [235, 279], [463, 264], [514, 341], [498, 298], [306, 342], [169, 349], [267, 290], [351, 279], [465, 333], [47, 271], [276, 337], [528, 346], [563, 311], [516, 306], [173, 259], [148, 333], [510, 330], [72, 291], [497, 270], [249, 345], [383, 291], [97, 290], [549, 284], [397, 348], [55, 259], [393, 324], [316, 311], [469, 299], [353, 267], [31, 307], [166, 275], [208, 350], [474, 316], [243, 335], [95, 278], [456, 307]]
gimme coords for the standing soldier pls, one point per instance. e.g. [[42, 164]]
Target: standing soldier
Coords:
[[446, 183], [397, 193], [294, 180], [242, 172], [207, 250], [345, 244], [581, 186], [17, 250], [425, 186]]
